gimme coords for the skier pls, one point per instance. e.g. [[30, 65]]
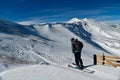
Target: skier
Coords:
[[76, 49]]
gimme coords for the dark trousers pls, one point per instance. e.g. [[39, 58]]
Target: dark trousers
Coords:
[[78, 59]]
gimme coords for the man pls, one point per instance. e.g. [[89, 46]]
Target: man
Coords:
[[76, 48]]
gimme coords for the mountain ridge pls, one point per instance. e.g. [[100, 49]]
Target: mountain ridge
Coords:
[[33, 43], [89, 26]]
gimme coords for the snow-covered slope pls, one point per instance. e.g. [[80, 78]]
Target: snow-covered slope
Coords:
[[47, 73], [49, 43], [52, 72], [103, 34], [106, 36]]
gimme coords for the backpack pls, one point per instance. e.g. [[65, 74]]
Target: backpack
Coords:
[[78, 45]]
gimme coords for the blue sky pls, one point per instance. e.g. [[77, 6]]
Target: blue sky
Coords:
[[59, 10]]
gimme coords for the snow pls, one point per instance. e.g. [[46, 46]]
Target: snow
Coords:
[[43, 51], [55, 72], [43, 72], [74, 20], [106, 72]]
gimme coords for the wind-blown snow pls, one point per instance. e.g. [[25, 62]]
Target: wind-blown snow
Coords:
[[49, 44]]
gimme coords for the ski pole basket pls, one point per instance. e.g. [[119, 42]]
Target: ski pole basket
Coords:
[[101, 59]]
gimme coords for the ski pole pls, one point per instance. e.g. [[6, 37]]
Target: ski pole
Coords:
[[71, 59]]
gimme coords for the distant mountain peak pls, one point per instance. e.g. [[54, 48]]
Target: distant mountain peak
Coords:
[[85, 19], [88, 20], [74, 20]]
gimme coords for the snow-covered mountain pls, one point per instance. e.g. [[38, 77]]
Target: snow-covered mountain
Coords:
[[102, 34], [49, 43]]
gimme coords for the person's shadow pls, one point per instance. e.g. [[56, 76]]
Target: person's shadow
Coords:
[[86, 66]]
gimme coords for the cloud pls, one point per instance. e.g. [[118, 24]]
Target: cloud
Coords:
[[54, 18], [42, 19], [111, 8], [61, 15], [112, 19], [102, 17], [113, 22], [71, 12], [107, 17], [87, 12], [21, 0], [58, 16], [29, 22]]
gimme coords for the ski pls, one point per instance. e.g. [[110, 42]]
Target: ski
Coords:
[[83, 70]]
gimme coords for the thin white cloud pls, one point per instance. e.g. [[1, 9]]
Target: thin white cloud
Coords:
[[87, 12], [106, 17], [113, 22], [103, 17], [111, 8], [59, 15], [113, 19], [38, 20], [29, 22], [71, 12], [21, 0]]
